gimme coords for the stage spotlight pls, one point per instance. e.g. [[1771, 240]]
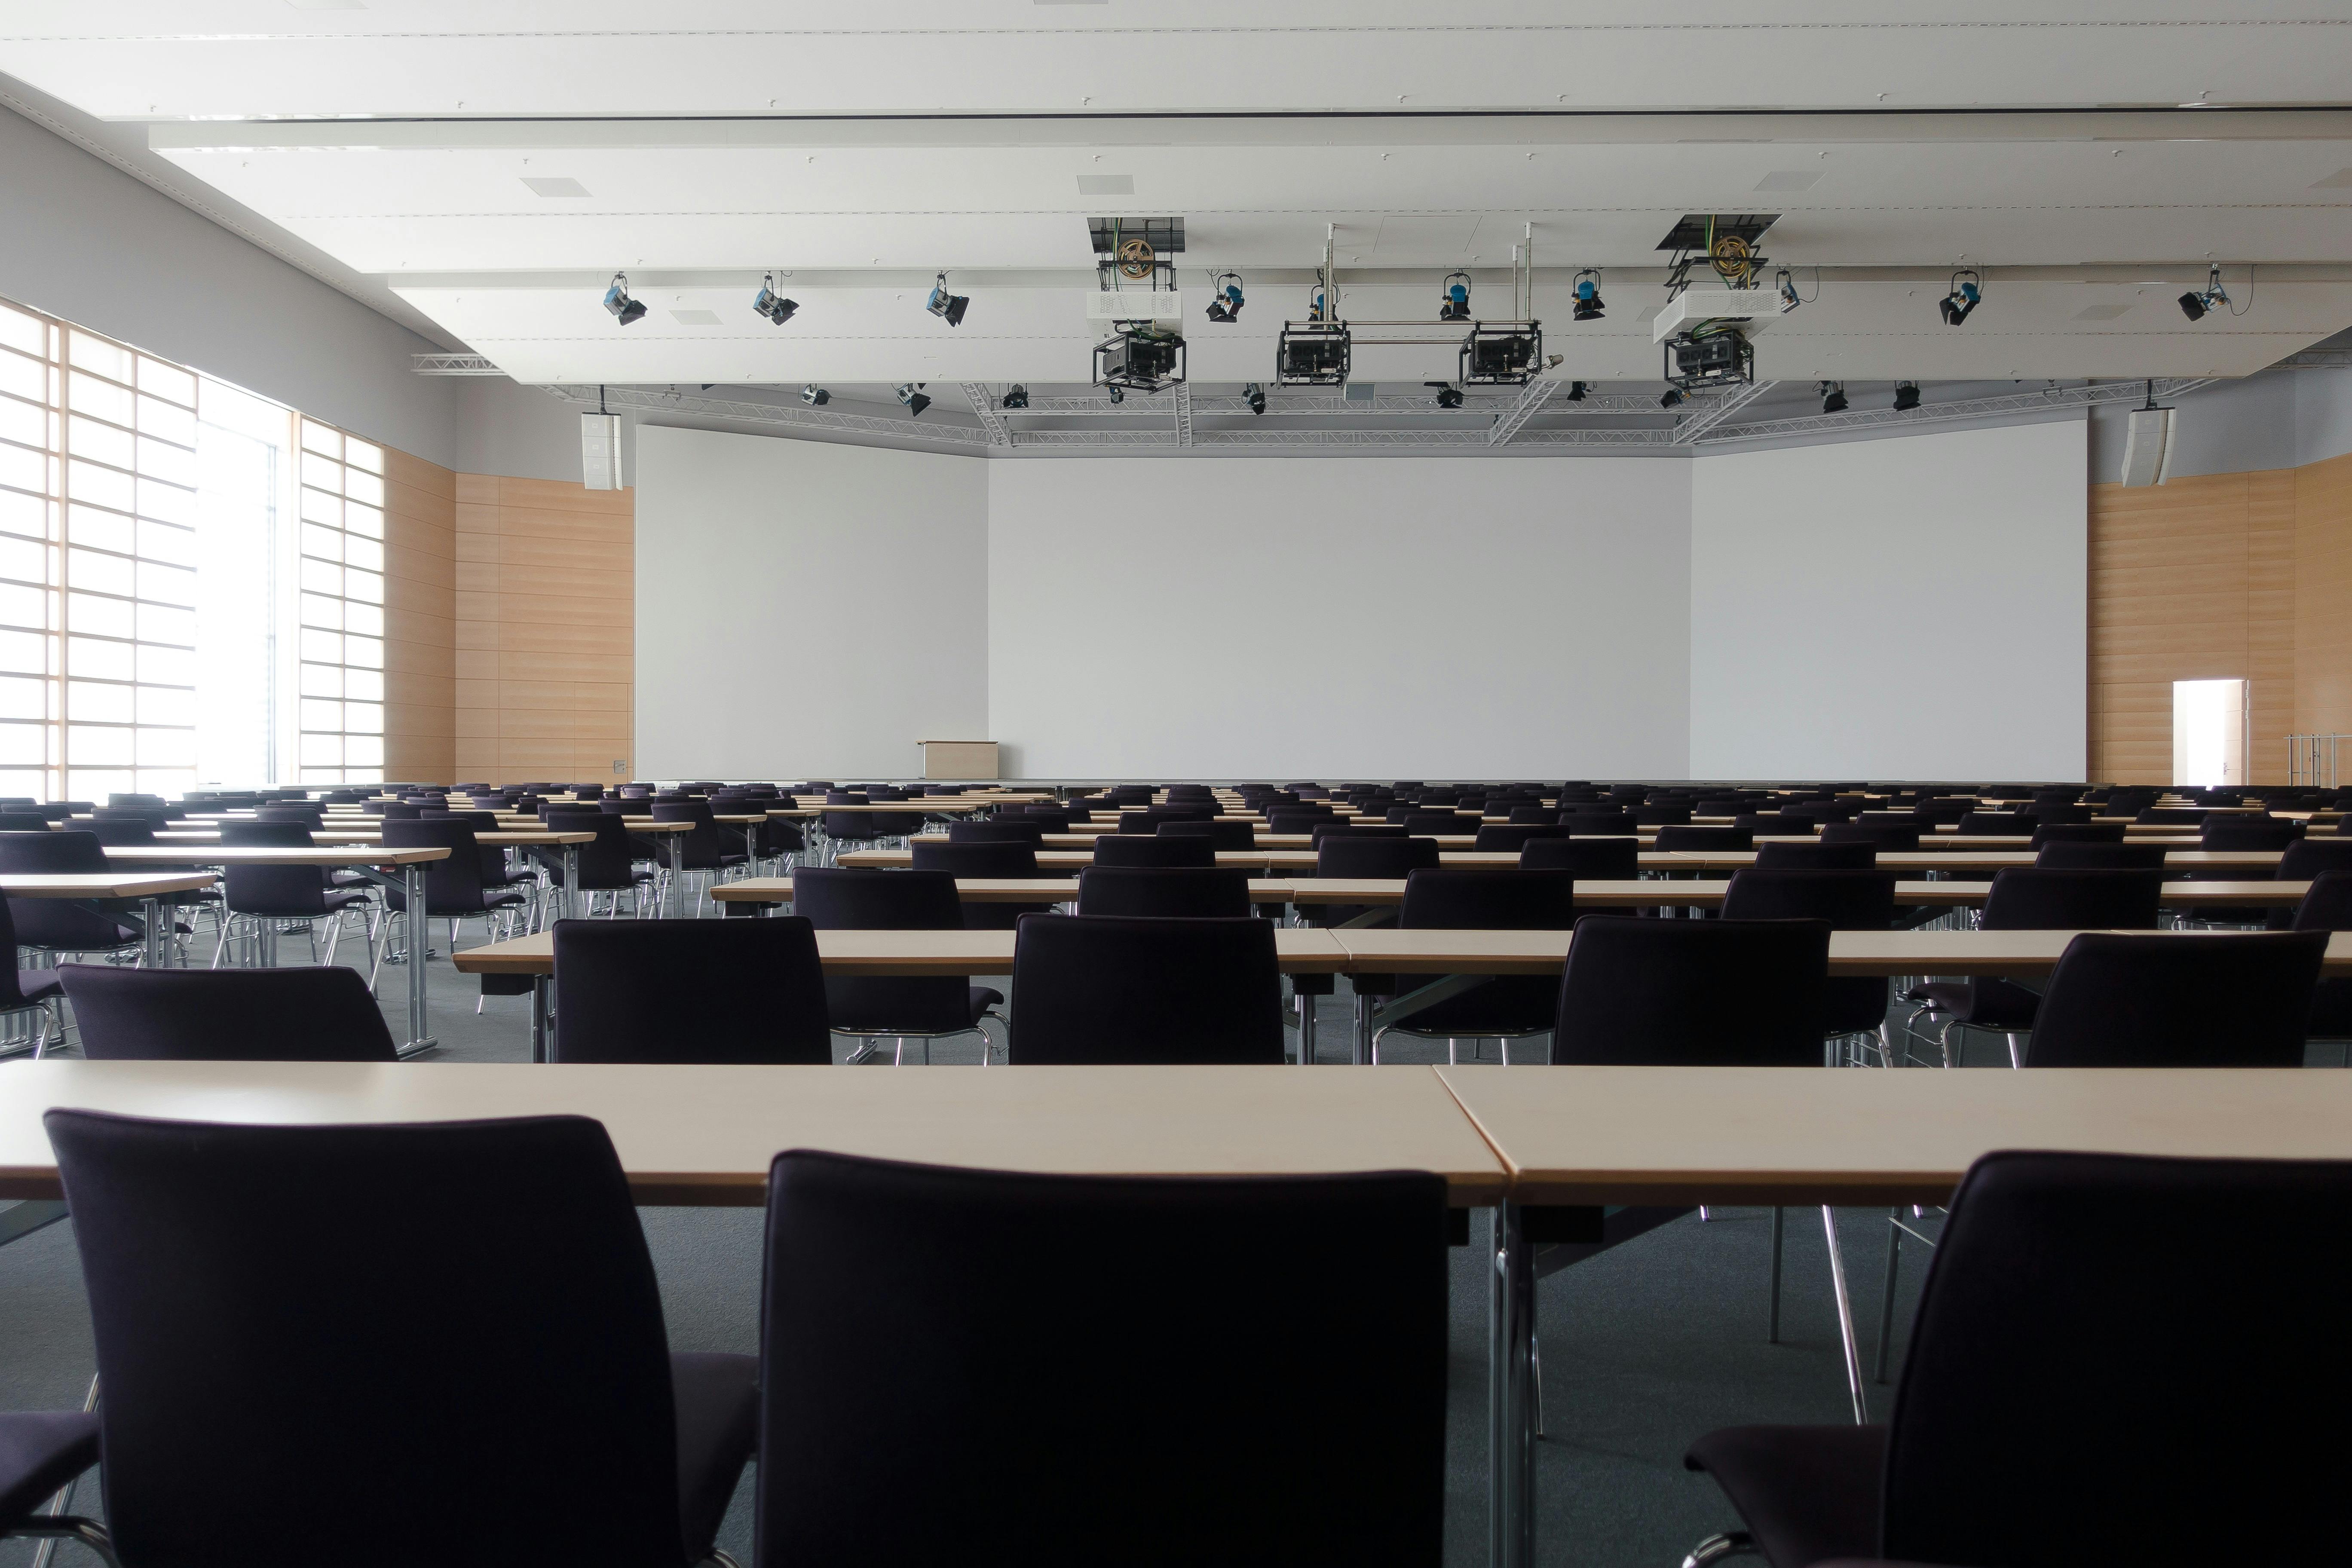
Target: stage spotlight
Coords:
[[1966, 291], [1787, 288], [2197, 307], [773, 305], [1253, 394], [1588, 306], [816, 396], [1906, 396], [617, 301], [1117, 394], [948, 308], [1448, 394], [1833, 397], [910, 394], [1226, 298], [1454, 300], [1671, 399], [1015, 397], [1576, 391]]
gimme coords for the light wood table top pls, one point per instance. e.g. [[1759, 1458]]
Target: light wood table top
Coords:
[[1384, 949], [971, 889], [705, 1135], [503, 838], [99, 884], [253, 855], [1941, 860], [1821, 1135], [1298, 950]]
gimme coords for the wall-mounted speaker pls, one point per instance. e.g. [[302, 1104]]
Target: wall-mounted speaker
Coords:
[[2148, 446], [599, 451]]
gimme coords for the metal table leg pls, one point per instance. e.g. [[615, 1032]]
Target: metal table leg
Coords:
[[1363, 1047], [566, 904], [1510, 1426], [151, 947], [417, 926], [540, 986], [1306, 1028], [677, 876]]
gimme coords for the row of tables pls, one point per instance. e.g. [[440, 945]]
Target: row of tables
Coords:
[[1529, 1146]]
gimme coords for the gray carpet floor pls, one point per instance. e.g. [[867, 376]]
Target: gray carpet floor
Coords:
[[1643, 1347]]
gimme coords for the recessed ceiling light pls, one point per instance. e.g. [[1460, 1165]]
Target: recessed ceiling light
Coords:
[[1789, 180], [562, 185], [1105, 185], [695, 318]]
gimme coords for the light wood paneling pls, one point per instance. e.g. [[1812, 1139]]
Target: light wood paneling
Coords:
[[420, 612], [2238, 577], [542, 659]]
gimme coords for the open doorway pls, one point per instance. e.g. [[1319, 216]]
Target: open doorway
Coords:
[[2208, 733]]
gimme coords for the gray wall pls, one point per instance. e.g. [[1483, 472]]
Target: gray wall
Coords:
[[2277, 419], [82, 240]]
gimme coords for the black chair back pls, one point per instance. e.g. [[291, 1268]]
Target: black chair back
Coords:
[[1505, 897], [1720, 840], [1590, 824], [1995, 824], [1817, 856], [2308, 858], [998, 830], [1586, 859], [453, 884], [1221, 836], [1135, 990], [297, 892], [607, 864], [2077, 833], [2327, 905], [1849, 901], [2078, 1275], [1164, 892], [2063, 855], [2230, 830], [114, 832], [258, 1296], [1332, 1457], [317, 1012], [690, 991], [1512, 838], [1142, 849], [840, 898], [1651, 993], [1382, 857], [981, 858], [2042, 899], [55, 923], [2239, 1000], [1877, 834]]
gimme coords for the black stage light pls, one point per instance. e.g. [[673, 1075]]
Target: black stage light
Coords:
[[617, 301], [1454, 300], [1255, 396], [1906, 396], [1576, 391], [1588, 306], [1117, 394], [1962, 298], [2193, 307], [1226, 298], [1671, 399], [773, 305], [1834, 398], [1448, 394], [1015, 397], [948, 308], [2197, 307], [910, 394], [816, 396]]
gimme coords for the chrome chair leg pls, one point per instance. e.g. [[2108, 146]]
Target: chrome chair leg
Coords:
[[1845, 1317], [1887, 1299], [1772, 1318], [1715, 1548], [2016, 1057]]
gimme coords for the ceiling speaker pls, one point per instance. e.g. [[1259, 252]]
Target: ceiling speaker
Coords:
[[2148, 446], [599, 451]]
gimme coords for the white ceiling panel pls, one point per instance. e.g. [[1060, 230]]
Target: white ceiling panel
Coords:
[[178, 59]]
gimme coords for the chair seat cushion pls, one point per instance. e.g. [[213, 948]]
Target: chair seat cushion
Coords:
[[348, 898], [40, 1451], [1804, 1492], [503, 897], [718, 1398], [984, 998], [1984, 1003]]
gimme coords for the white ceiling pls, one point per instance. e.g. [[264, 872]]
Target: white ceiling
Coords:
[[1423, 137]]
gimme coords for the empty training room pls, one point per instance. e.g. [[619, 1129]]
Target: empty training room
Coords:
[[1502, 785]]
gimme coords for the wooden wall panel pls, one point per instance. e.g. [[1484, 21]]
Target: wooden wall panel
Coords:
[[544, 659], [2322, 606], [420, 612]]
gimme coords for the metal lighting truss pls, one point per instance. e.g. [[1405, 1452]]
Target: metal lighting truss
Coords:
[[1413, 405], [1692, 427], [453, 364], [983, 408], [1944, 413], [1514, 419], [745, 411]]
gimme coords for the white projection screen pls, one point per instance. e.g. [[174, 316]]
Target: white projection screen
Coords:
[[1904, 608], [1253, 618], [805, 609]]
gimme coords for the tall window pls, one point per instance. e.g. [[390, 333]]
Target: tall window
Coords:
[[342, 608], [161, 624]]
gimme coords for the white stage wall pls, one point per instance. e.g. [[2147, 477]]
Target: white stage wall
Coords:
[[1909, 607]]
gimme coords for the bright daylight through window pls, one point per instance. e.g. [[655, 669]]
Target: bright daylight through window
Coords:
[[191, 578]]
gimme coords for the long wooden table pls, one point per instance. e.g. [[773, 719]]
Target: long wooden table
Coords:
[[96, 890], [392, 869]]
